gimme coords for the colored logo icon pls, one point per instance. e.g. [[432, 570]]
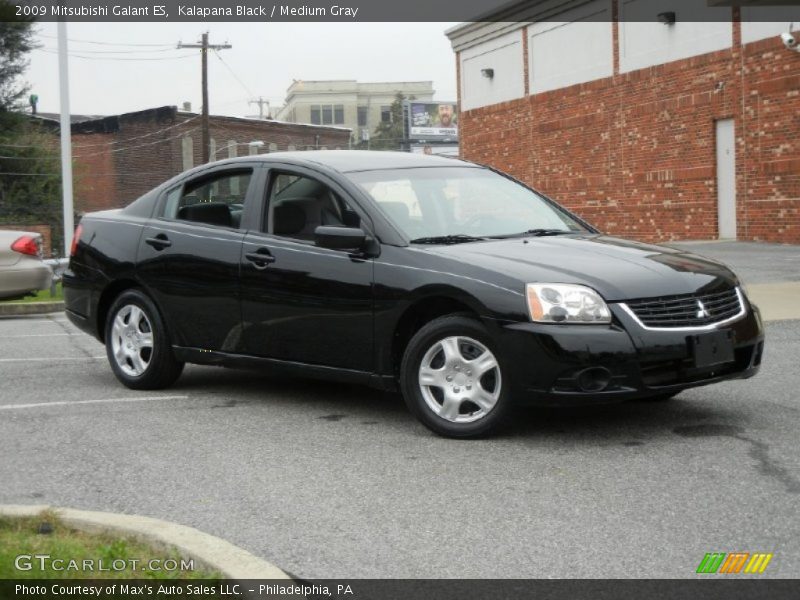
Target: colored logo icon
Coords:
[[734, 562]]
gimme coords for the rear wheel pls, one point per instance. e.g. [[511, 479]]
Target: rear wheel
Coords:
[[137, 344], [452, 380]]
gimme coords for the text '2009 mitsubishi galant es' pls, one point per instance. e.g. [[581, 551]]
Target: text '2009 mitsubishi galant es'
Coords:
[[462, 288]]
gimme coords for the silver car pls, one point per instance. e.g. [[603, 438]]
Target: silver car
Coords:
[[22, 270]]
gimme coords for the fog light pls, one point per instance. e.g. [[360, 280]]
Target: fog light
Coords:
[[593, 379]]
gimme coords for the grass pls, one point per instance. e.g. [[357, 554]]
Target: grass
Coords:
[[42, 296], [47, 535]]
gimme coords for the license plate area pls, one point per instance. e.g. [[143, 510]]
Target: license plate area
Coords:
[[712, 348]]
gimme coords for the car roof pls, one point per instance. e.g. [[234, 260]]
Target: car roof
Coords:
[[346, 161]]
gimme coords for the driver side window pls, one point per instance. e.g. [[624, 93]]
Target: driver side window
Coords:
[[297, 205]]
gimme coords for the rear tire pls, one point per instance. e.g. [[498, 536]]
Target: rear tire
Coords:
[[137, 343], [452, 380]]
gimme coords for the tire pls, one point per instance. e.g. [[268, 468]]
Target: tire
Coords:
[[660, 397], [137, 344], [666, 397], [469, 393]]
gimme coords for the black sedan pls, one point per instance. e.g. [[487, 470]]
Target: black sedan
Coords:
[[451, 282]]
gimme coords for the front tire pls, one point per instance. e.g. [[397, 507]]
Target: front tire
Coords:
[[452, 380], [661, 397], [137, 344]]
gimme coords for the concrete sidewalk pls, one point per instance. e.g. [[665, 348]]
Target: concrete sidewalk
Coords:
[[770, 272]]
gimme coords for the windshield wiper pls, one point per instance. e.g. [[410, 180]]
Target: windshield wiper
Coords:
[[457, 238], [539, 232]]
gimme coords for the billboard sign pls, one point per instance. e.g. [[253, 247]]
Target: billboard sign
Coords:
[[442, 149], [432, 120]]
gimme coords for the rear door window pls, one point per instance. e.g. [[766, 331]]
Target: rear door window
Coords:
[[216, 199]]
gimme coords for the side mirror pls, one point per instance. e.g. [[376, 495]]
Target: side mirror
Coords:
[[339, 238]]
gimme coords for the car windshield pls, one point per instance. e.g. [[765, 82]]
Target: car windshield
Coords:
[[461, 204]]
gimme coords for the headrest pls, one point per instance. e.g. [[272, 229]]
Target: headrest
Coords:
[[212, 213], [397, 210], [289, 219]]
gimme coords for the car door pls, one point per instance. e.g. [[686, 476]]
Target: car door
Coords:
[[300, 302], [189, 255]]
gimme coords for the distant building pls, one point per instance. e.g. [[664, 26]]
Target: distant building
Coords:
[[118, 158], [360, 107], [647, 125]]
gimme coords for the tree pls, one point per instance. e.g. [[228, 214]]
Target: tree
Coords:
[[16, 40], [30, 186], [390, 135]]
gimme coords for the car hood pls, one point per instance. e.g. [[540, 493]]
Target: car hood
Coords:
[[618, 269]]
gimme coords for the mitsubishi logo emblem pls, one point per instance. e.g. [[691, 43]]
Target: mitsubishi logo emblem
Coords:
[[702, 311]]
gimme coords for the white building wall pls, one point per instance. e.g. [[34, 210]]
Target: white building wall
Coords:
[[504, 55], [578, 49], [644, 42], [754, 30]]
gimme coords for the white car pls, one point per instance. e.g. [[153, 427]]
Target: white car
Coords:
[[22, 270]]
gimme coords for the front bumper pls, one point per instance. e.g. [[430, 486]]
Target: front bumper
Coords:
[[559, 364]]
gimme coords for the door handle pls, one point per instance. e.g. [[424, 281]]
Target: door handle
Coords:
[[261, 258], [159, 242]]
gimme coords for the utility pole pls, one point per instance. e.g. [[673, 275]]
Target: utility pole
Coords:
[[261, 103], [204, 48], [66, 137]]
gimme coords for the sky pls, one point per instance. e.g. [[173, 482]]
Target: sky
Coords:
[[108, 76]]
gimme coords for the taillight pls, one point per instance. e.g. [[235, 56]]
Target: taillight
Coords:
[[75, 239], [27, 245]]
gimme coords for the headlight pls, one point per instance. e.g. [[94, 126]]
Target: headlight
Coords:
[[566, 303]]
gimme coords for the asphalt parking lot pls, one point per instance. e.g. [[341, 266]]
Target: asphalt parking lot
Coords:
[[330, 480]]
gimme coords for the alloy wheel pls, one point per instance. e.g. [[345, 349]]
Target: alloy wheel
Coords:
[[132, 340], [460, 380]]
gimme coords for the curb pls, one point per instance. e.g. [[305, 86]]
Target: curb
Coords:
[[29, 308], [212, 552]]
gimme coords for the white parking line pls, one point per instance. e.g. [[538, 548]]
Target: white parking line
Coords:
[[102, 401], [51, 359], [27, 335]]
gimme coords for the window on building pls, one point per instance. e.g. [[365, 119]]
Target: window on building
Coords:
[[386, 114], [362, 116], [327, 114]]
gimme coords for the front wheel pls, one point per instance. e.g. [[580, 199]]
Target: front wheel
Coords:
[[137, 344], [452, 380]]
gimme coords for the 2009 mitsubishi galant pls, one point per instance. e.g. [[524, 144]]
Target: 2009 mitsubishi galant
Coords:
[[461, 287]]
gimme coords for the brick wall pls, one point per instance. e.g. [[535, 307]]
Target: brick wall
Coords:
[[635, 153], [45, 230], [142, 150]]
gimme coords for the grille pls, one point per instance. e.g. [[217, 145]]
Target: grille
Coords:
[[685, 310]]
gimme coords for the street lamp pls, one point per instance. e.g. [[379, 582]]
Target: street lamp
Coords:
[[253, 144]]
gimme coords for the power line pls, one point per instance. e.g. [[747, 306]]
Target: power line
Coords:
[[31, 174], [84, 51], [235, 76], [27, 157], [83, 56], [53, 37], [111, 142], [125, 149]]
